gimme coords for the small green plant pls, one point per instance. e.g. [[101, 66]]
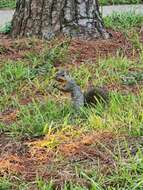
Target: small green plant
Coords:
[[2, 49], [6, 29], [44, 185], [132, 78], [134, 38], [117, 2], [127, 175], [111, 69], [8, 4], [44, 62], [124, 20], [5, 184]]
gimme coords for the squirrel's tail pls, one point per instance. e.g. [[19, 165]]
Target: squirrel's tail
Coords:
[[95, 95]]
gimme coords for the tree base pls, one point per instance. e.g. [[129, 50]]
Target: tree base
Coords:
[[75, 30], [87, 33], [49, 18]]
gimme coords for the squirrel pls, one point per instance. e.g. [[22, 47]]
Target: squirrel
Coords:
[[80, 99]]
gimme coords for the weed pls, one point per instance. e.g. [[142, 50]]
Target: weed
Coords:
[[127, 175], [2, 49], [114, 2], [132, 78], [110, 70], [44, 186], [7, 3], [5, 184], [6, 29], [124, 21]]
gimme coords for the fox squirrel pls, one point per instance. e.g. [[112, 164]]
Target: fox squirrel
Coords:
[[80, 99]]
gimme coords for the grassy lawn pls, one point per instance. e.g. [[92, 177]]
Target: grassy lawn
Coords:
[[123, 21], [7, 3], [11, 3], [117, 2], [44, 143]]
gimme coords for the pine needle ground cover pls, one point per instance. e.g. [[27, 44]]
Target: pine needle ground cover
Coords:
[[44, 142]]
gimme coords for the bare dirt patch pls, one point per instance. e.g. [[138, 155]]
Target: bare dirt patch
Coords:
[[27, 159], [126, 89], [16, 49], [19, 158], [8, 116], [93, 50]]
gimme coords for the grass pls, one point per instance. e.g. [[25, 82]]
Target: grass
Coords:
[[6, 28], [45, 112], [7, 4], [119, 2], [5, 184], [126, 176], [124, 21], [15, 75], [123, 115]]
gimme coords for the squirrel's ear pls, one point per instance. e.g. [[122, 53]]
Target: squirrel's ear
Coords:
[[59, 71]]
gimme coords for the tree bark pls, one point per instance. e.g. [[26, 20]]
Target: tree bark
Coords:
[[49, 18]]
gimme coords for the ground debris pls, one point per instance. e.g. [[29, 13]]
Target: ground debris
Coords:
[[81, 50], [9, 116], [58, 163]]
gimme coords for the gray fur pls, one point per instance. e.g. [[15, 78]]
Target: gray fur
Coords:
[[79, 98], [71, 87]]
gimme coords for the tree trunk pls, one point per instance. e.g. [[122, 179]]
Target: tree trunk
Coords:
[[49, 18]]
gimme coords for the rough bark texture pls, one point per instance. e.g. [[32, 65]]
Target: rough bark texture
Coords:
[[48, 18]]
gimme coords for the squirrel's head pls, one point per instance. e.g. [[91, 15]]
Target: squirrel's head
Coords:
[[62, 76], [66, 80]]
